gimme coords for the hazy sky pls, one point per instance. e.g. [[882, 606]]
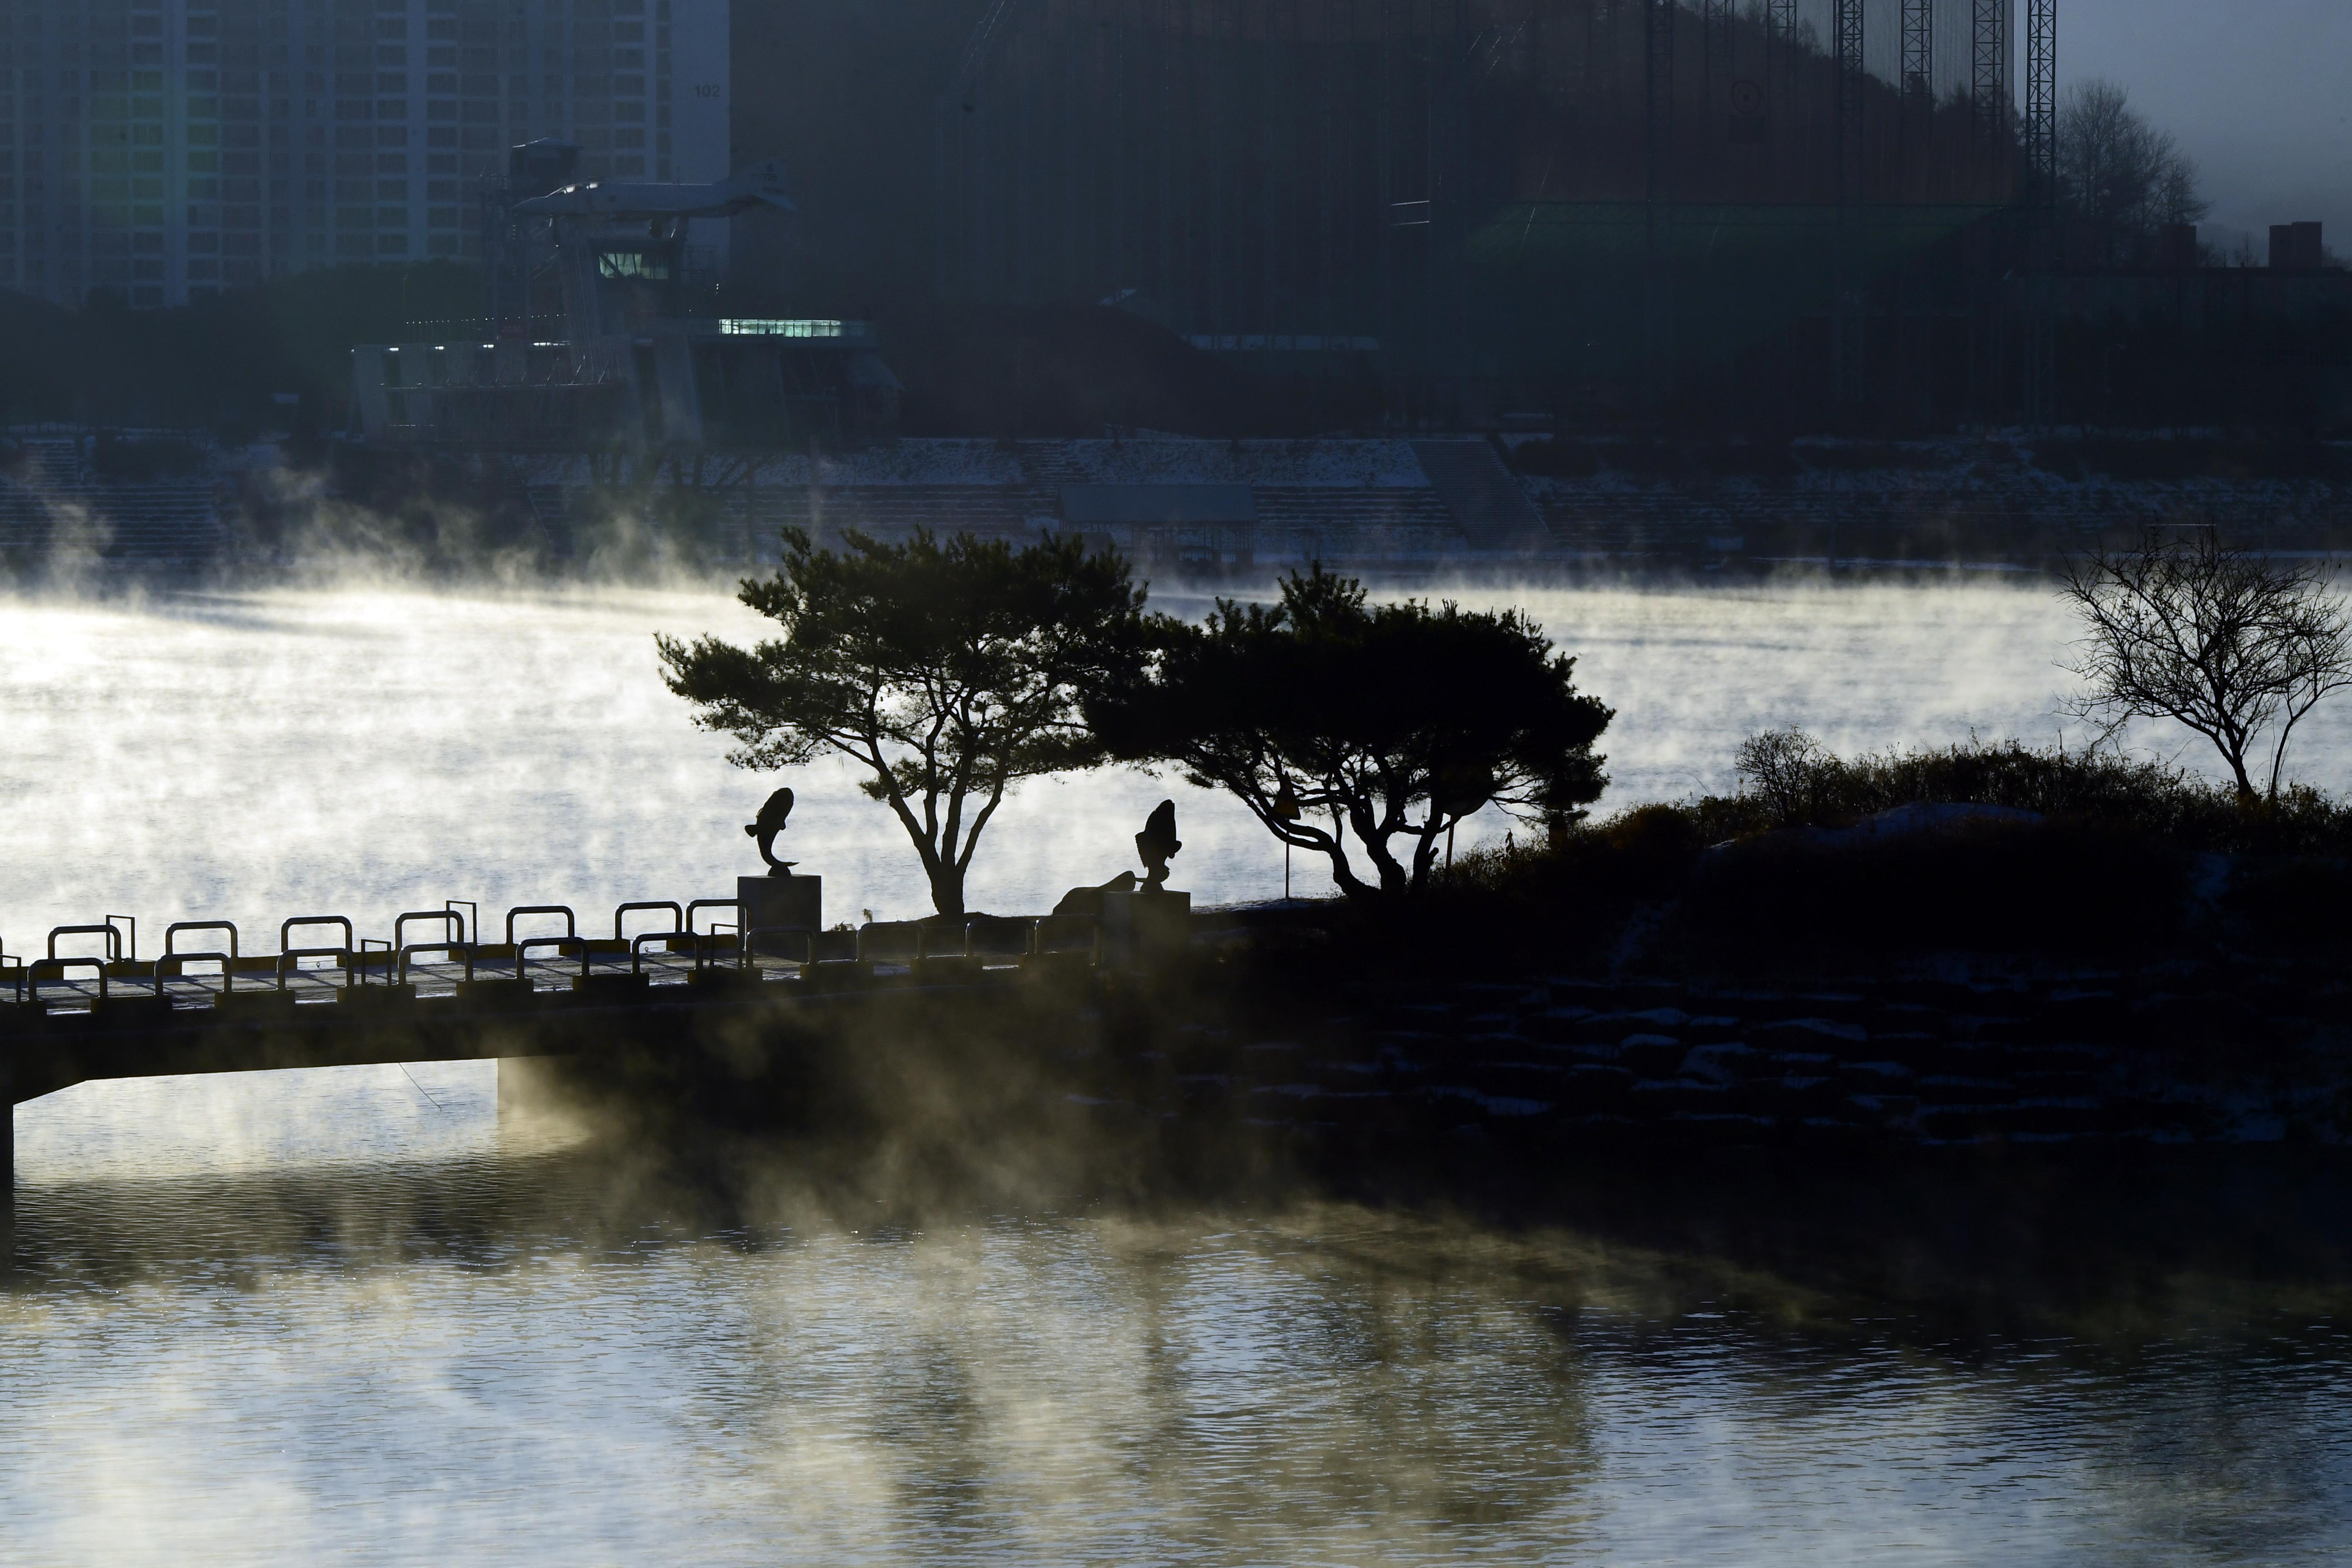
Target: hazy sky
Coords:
[[2259, 93]]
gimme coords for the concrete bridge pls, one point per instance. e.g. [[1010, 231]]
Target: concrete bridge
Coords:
[[89, 1007]]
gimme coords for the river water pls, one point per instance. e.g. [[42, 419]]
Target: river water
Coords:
[[365, 752], [348, 1315]]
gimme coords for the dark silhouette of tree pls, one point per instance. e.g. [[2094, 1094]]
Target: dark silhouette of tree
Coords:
[[949, 670], [1363, 715], [2121, 173], [2230, 643]]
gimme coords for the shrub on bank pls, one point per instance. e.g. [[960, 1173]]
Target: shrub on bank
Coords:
[[1721, 882], [1789, 781]]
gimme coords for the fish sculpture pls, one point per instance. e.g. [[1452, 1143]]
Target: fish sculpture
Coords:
[[770, 823], [1156, 844]]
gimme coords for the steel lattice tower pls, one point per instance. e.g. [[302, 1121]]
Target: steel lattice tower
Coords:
[[1658, 183], [1988, 70], [1919, 50], [1847, 318], [1780, 33], [1657, 98], [1846, 23], [2042, 94], [1659, 186], [2041, 158], [1715, 55]]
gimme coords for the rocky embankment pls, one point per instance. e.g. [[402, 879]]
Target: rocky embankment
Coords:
[[2180, 1058]]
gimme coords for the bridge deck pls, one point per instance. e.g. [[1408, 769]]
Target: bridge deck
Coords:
[[78, 990]]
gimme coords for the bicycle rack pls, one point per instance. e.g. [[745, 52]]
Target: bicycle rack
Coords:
[[227, 961], [59, 965], [171, 931], [473, 916], [342, 956], [132, 921]]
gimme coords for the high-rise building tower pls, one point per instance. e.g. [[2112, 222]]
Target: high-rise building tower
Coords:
[[169, 148]]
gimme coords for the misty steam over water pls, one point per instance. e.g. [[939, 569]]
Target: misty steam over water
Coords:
[[254, 756], [350, 1315]]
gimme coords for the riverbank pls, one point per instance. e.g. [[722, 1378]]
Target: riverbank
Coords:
[[2081, 1150], [75, 501]]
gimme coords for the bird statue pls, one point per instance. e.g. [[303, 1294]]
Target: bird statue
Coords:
[[770, 822], [1156, 844]]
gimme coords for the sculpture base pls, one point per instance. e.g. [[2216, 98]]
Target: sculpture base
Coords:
[[770, 901], [1145, 929]]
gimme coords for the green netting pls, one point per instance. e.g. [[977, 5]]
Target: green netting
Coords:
[[1567, 286]]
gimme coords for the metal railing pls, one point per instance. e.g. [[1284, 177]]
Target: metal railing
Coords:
[[290, 960], [570, 921], [638, 945], [460, 952], [446, 917], [286, 927], [981, 940], [113, 939], [527, 944], [172, 934], [677, 915], [33, 973], [227, 961]]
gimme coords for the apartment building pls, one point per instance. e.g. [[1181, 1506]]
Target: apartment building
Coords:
[[166, 149]]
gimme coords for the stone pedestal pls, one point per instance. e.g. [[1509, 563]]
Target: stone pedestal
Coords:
[[1140, 930], [781, 902]]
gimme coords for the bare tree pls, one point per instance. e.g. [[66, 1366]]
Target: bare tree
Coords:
[[2232, 644], [1782, 768], [2120, 173]]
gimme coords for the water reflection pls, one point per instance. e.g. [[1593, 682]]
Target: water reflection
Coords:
[[400, 1334]]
